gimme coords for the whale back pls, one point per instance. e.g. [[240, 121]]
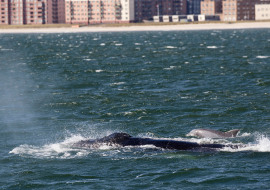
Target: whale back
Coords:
[[124, 139], [115, 138]]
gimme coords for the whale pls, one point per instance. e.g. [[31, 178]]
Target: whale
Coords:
[[124, 139], [209, 133]]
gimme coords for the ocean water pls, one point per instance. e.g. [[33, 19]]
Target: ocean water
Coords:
[[58, 89]]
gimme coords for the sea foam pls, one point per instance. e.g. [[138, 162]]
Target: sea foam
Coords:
[[262, 57], [261, 144], [62, 150]]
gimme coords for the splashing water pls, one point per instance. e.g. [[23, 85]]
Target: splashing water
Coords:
[[261, 144], [61, 150]]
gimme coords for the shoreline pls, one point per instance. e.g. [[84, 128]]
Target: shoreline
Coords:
[[132, 28]]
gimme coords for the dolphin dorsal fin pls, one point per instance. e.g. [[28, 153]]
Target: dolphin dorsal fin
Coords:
[[233, 132]]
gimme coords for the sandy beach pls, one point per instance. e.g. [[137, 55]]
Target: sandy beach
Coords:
[[180, 27]]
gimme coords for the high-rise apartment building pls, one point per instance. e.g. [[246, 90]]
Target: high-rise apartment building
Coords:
[[128, 10], [211, 7], [234, 10], [18, 12], [194, 7], [230, 10], [146, 9], [99, 11], [262, 12], [56, 11], [34, 11], [4, 17]]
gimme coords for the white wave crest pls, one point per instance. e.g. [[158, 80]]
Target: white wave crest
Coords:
[[262, 57], [212, 47], [170, 68], [117, 83], [170, 47]]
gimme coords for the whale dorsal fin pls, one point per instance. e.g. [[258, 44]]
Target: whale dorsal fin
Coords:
[[233, 132]]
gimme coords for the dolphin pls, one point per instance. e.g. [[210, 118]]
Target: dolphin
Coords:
[[208, 133], [124, 139]]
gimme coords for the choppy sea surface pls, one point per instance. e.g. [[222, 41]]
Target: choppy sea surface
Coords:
[[58, 89]]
